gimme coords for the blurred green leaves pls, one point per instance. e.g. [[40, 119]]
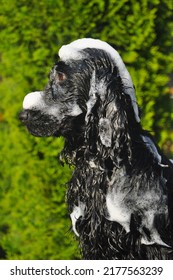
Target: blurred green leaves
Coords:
[[34, 222]]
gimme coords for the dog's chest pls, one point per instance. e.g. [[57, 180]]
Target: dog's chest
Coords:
[[124, 198]]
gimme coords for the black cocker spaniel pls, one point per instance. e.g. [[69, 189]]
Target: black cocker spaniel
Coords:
[[120, 197]]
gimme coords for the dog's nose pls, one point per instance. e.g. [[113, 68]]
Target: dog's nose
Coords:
[[23, 116]]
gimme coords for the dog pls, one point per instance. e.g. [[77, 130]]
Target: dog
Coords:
[[120, 196]]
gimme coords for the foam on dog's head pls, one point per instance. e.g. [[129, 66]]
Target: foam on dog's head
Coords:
[[74, 51]]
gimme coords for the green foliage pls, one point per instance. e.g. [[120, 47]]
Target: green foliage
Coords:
[[34, 222]]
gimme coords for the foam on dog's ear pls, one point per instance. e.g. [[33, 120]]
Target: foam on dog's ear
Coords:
[[92, 96], [75, 110], [98, 91], [105, 132], [98, 88]]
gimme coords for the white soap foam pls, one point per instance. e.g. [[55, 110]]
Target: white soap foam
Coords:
[[78, 212], [73, 51], [33, 100]]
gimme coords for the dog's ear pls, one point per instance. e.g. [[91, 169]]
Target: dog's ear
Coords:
[[108, 106]]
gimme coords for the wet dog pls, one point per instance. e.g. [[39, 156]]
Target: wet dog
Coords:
[[120, 197]]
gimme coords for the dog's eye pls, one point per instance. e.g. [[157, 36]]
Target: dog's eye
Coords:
[[60, 77]]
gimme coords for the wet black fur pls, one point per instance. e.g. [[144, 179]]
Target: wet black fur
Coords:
[[100, 238]]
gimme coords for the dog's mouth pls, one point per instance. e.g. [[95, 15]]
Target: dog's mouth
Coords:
[[39, 124]]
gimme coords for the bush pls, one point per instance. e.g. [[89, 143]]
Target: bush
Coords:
[[34, 222]]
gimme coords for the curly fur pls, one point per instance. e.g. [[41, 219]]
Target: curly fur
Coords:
[[121, 192]]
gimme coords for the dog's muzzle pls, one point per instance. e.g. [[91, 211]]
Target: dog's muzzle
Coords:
[[31, 101]]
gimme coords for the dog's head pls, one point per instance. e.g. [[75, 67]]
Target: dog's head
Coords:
[[90, 78]]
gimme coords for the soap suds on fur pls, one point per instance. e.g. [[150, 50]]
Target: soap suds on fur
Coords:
[[74, 51]]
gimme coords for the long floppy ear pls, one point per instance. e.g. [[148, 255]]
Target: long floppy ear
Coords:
[[111, 105]]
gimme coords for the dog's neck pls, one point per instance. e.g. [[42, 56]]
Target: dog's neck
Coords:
[[128, 150], [80, 151]]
